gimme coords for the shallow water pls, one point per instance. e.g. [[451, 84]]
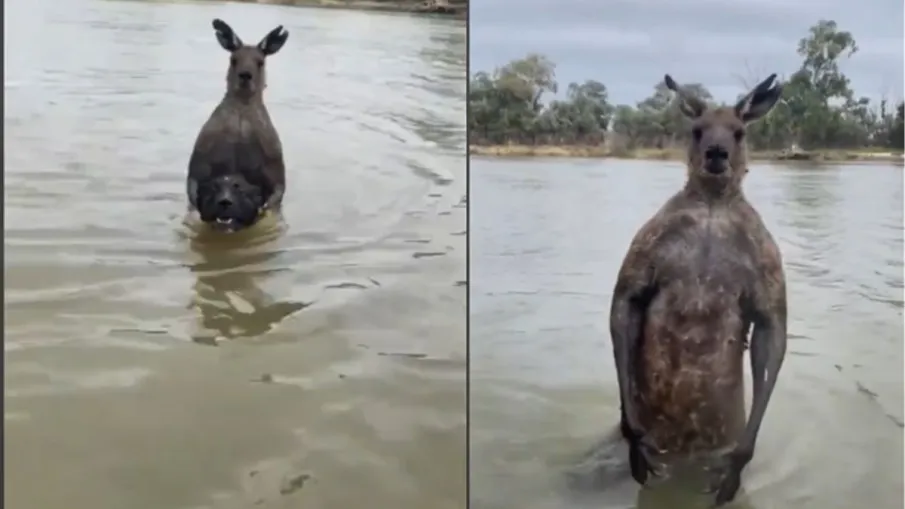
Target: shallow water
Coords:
[[547, 240], [317, 361]]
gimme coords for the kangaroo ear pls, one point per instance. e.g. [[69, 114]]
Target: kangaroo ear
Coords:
[[272, 42], [226, 36], [690, 105], [759, 101]]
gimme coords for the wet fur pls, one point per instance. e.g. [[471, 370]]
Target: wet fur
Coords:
[[698, 276], [239, 138], [689, 371], [246, 202]]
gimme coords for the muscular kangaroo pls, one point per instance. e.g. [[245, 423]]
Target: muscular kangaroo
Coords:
[[236, 171], [698, 276]]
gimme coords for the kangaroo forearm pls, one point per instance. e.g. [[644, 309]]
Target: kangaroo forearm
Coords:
[[768, 349], [624, 330]]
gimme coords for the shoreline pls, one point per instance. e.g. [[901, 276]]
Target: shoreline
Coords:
[[455, 11], [598, 152]]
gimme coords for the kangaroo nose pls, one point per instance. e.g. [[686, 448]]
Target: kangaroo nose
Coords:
[[716, 152], [245, 76]]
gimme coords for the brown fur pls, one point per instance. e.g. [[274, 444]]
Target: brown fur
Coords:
[[707, 261], [697, 277], [239, 137]]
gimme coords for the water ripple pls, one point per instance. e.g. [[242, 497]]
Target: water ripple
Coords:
[[129, 323], [544, 255]]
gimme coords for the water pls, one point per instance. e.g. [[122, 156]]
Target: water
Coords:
[[315, 362], [547, 239]]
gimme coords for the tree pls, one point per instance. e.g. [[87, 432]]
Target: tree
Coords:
[[507, 106], [818, 89], [528, 78], [897, 133], [632, 124], [518, 103]]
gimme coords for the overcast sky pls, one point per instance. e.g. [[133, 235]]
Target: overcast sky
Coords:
[[629, 44]]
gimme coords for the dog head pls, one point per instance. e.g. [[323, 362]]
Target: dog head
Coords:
[[229, 202]]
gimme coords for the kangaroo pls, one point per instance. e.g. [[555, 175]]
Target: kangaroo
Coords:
[[700, 275], [236, 172]]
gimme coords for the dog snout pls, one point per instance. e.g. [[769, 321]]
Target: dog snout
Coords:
[[224, 200], [245, 76]]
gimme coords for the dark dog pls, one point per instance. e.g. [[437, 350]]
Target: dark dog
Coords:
[[698, 276], [236, 171], [229, 202]]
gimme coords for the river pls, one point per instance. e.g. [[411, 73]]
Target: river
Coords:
[[316, 362], [547, 239]]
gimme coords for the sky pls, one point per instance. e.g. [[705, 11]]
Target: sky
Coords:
[[630, 44]]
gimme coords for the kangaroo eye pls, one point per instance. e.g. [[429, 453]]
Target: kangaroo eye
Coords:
[[739, 134], [232, 61], [260, 64], [696, 132]]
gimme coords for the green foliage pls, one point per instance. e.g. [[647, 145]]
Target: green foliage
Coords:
[[818, 110], [506, 107], [896, 131]]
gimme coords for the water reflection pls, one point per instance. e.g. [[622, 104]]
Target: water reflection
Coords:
[[227, 291]]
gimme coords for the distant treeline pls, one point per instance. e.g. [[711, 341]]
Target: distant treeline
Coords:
[[819, 110]]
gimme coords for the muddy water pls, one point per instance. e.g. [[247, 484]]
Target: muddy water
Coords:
[[547, 240], [317, 361]]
